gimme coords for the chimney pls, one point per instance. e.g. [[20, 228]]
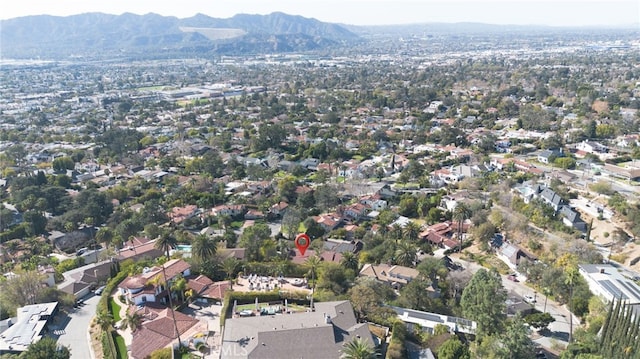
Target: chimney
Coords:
[[602, 271], [327, 319]]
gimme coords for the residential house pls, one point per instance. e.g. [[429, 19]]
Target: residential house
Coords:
[[548, 156], [31, 325], [551, 198], [394, 275], [425, 321], [628, 173], [279, 208], [253, 214], [81, 281], [512, 253], [355, 212], [231, 210], [610, 283], [591, 147], [571, 218], [158, 330], [152, 285], [204, 287], [374, 201], [180, 214], [329, 221], [138, 248], [316, 334]]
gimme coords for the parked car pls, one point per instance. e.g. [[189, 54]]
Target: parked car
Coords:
[[529, 299], [512, 277], [100, 290]]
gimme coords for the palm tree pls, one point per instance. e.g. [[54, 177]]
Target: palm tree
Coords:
[[165, 242], [229, 266], [460, 214], [104, 320], [572, 275], [105, 236], [179, 285], [203, 248], [132, 321], [396, 232], [350, 261], [313, 263], [406, 254], [412, 231], [357, 349]]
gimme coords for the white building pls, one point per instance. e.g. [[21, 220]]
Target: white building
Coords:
[[607, 282]]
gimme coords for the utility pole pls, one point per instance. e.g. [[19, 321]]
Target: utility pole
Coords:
[[173, 313]]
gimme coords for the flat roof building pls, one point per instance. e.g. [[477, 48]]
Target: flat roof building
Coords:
[[30, 324], [609, 283]]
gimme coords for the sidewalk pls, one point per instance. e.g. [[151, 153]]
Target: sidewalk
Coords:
[[125, 333]]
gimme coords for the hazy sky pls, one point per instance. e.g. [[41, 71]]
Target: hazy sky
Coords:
[[359, 12]]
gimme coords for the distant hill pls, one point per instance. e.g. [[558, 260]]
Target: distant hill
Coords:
[[152, 35]]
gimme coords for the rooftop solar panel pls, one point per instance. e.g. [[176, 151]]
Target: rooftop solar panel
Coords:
[[613, 289], [631, 287]]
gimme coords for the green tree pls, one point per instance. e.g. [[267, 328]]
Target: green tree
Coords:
[[483, 300], [516, 340], [406, 254], [412, 231], [179, 285], [203, 248], [46, 348], [453, 349], [313, 263], [229, 266], [132, 321], [350, 261], [104, 320], [62, 164], [540, 321], [165, 242], [357, 349], [252, 239], [460, 213]]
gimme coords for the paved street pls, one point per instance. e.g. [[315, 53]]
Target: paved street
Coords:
[[73, 331], [558, 330]]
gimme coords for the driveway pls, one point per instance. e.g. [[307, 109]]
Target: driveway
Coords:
[[72, 329]]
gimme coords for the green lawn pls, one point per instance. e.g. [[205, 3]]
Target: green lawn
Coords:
[[115, 309], [120, 347]]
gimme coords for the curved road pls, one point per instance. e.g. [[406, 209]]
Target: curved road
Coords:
[[75, 334]]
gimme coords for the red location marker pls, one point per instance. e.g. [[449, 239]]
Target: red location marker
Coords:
[[302, 241]]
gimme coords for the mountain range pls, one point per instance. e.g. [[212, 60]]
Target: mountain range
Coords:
[[94, 35]]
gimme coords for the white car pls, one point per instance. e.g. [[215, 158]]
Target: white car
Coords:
[[529, 299]]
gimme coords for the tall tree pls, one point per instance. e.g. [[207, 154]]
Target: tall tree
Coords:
[[406, 254], [516, 340], [483, 300], [203, 248], [165, 242], [412, 231], [460, 214], [350, 261]]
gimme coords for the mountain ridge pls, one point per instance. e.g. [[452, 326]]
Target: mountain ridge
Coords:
[[90, 33]]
